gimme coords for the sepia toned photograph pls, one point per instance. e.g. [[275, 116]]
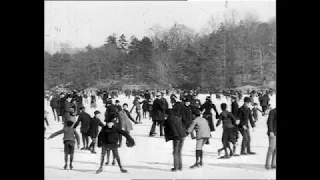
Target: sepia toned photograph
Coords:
[[160, 90]]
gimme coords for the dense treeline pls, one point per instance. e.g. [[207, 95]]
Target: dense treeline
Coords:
[[231, 54]]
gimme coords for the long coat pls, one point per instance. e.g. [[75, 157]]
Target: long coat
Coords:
[[158, 110], [272, 122], [94, 127], [173, 128], [201, 126], [124, 121], [84, 118], [186, 115]]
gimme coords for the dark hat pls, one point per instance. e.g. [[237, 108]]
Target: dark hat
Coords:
[[208, 98], [117, 101], [96, 112], [247, 99], [111, 118], [255, 104], [196, 112]]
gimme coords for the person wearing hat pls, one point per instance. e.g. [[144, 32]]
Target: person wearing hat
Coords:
[[245, 116], [147, 95], [175, 131], [158, 115], [67, 108], [94, 129], [264, 101], [108, 140], [137, 104], [84, 118], [187, 114], [207, 106], [201, 126], [228, 135], [110, 109], [234, 106]]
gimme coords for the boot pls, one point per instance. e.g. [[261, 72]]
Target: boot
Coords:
[[99, 170], [123, 170], [201, 158], [173, 170], [71, 167], [197, 158], [234, 151], [65, 166]]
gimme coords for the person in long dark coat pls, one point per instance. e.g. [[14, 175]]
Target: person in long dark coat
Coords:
[[62, 103], [54, 106], [158, 115], [186, 113], [94, 130], [245, 115], [272, 134], [207, 106], [175, 131], [234, 106], [67, 109], [264, 101], [84, 118]]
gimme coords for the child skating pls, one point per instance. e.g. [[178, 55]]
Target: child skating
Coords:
[[108, 140], [69, 135]]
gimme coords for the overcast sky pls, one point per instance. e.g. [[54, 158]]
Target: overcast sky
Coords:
[[80, 23]]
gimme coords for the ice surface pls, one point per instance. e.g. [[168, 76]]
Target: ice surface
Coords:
[[152, 156]]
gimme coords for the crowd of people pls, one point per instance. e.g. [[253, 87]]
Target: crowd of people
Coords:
[[176, 120]]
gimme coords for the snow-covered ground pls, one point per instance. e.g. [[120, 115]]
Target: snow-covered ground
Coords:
[[152, 156]]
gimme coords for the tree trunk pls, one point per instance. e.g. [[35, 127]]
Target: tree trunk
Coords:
[[261, 63]]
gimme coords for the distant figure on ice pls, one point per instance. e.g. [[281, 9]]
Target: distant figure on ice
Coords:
[[264, 101], [84, 118], [272, 133], [255, 110], [69, 135], [137, 104], [202, 135], [54, 107], [158, 110], [93, 103], [108, 140]]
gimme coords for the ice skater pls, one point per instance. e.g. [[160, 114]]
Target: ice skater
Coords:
[[84, 118], [202, 135], [228, 134], [108, 139], [255, 110], [94, 130], [69, 135]]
